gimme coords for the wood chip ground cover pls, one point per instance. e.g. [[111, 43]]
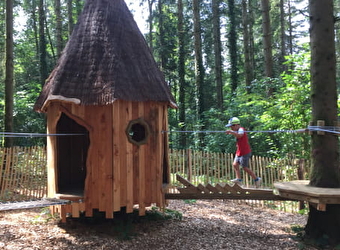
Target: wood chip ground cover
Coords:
[[204, 225]]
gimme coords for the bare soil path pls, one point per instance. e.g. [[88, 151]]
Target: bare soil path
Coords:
[[205, 225]]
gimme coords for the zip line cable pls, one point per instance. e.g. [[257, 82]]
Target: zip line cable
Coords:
[[247, 131], [10, 134], [327, 129]]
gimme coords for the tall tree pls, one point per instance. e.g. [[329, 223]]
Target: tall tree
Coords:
[[267, 40], [70, 16], [325, 148], [58, 30], [283, 35], [42, 43], [251, 36], [161, 33], [199, 68], [9, 75], [181, 73], [248, 66], [216, 23], [150, 22], [232, 38]]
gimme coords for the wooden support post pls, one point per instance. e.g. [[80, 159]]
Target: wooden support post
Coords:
[[320, 123], [321, 207], [310, 132], [301, 176], [189, 164], [337, 126]]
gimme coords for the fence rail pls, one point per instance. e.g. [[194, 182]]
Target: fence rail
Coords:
[[23, 174]]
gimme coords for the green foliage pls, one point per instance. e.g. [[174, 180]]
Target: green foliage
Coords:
[[155, 214], [45, 216], [287, 109], [189, 201]]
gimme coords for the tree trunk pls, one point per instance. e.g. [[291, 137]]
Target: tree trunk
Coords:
[[161, 35], [9, 88], [42, 43], [251, 37], [70, 17], [150, 20], [181, 74], [325, 148], [217, 52], [199, 69], [283, 36], [58, 30], [232, 46], [267, 42], [248, 69], [290, 28], [35, 28]]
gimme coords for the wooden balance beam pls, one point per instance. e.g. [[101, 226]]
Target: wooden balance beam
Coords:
[[221, 191]]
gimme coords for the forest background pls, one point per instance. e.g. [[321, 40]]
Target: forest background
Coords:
[[244, 58]]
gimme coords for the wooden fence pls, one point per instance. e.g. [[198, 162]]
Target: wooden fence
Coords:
[[206, 167], [23, 174]]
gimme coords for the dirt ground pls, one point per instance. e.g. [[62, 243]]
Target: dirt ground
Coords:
[[204, 225]]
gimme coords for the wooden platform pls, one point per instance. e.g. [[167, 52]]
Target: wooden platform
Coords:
[[302, 191]]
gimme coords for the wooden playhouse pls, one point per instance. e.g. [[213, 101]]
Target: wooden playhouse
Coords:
[[108, 101]]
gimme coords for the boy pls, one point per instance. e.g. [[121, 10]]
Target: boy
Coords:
[[243, 151]]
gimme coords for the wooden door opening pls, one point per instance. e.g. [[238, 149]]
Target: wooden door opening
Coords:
[[72, 152]]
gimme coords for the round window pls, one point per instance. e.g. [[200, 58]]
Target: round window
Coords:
[[138, 131]]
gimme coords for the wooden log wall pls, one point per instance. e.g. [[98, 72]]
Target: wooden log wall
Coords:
[[119, 173]]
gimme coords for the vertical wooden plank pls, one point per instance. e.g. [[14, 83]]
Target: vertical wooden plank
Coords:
[[141, 166], [160, 154], [63, 213], [122, 143], [91, 188], [81, 206], [2, 174], [75, 209], [135, 159], [105, 159], [8, 153], [150, 154], [53, 115], [129, 163], [117, 133], [164, 149]]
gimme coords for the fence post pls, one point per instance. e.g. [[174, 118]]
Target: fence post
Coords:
[[301, 176], [189, 156]]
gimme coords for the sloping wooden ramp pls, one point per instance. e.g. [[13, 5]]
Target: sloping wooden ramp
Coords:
[[221, 191]]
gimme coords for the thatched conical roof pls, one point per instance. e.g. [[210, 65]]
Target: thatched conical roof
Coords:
[[106, 59]]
